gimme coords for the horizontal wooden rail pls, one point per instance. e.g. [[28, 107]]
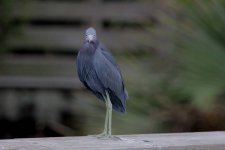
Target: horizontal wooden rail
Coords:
[[40, 83], [138, 11], [70, 38], [175, 141], [43, 65], [96, 13]]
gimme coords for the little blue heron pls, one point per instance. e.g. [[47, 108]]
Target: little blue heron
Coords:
[[99, 72]]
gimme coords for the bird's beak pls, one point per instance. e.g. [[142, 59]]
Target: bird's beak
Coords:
[[90, 38]]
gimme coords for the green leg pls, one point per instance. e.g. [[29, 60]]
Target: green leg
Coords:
[[108, 121], [104, 133], [109, 109]]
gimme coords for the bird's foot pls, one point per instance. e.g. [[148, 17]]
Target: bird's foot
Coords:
[[106, 136], [101, 135]]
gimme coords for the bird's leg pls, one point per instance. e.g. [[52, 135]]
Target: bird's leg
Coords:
[[108, 121], [104, 133], [109, 109]]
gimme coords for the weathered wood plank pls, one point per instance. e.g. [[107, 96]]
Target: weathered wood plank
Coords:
[[176, 141], [91, 12], [40, 83], [88, 11], [43, 65], [71, 38]]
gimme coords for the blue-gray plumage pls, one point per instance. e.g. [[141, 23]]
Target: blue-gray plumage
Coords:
[[99, 72]]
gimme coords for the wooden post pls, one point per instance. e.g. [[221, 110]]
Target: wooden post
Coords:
[[174, 141]]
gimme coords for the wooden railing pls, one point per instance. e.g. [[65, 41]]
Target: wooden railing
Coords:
[[76, 17], [11, 82], [52, 28], [175, 141]]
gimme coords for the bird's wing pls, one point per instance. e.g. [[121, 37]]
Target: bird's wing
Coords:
[[108, 73], [106, 52], [88, 76]]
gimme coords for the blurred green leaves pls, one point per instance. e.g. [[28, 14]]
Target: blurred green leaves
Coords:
[[7, 21], [5, 18], [201, 51], [186, 72]]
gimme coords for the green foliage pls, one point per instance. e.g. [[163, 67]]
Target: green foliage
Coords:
[[201, 50], [185, 76], [7, 26]]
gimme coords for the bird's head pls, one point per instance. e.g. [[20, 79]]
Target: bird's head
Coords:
[[90, 34]]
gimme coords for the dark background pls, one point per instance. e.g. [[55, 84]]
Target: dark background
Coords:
[[171, 54]]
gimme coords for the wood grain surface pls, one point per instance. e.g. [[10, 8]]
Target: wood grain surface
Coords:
[[174, 141]]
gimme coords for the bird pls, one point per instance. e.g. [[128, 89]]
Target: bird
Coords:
[[98, 71]]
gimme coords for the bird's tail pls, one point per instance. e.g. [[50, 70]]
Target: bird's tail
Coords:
[[118, 103]]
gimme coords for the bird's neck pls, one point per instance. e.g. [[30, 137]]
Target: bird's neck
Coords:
[[93, 44]]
